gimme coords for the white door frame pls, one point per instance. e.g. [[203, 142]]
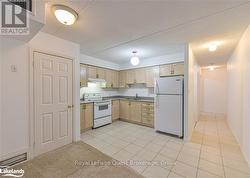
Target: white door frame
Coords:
[[31, 133]]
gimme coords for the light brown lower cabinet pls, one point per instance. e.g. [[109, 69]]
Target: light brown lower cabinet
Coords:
[[124, 109], [115, 110], [86, 116], [148, 113], [135, 111]]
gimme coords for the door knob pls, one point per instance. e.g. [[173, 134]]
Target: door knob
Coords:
[[70, 106]]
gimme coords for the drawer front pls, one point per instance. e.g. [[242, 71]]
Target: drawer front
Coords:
[[148, 120], [147, 110], [151, 105], [148, 115]]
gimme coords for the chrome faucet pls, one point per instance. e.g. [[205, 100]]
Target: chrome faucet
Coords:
[[136, 95]]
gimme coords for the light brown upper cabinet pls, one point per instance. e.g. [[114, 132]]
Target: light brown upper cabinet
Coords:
[[130, 79], [108, 78], [165, 70], [151, 74], [178, 68], [92, 72], [140, 75], [115, 78], [96, 72], [122, 79], [115, 109], [111, 78], [135, 111], [86, 116], [83, 76], [100, 73], [124, 109], [172, 69]]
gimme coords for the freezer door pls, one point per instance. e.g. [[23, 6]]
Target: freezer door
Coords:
[[169, 85], [168, 114]]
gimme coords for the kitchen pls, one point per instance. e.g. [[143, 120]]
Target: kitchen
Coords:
[[136, 109]]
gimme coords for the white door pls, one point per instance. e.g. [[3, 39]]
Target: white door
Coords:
[[53, 102], [168, 114]]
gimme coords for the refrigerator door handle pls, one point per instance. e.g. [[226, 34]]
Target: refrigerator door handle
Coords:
[[156, 87], [156, 101]]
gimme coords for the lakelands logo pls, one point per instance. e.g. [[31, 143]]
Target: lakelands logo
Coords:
[[14, 19], [6, 171]]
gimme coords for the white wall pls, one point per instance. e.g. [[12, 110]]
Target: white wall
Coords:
[[171, 58], [191, 93], [213, 90], [15, 89], [139, 89], [98, 62], [14, 100], [238, 112]]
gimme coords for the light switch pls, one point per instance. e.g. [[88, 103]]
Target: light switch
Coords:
[[13, 68]]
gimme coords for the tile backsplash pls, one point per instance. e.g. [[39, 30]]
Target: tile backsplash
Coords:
[[140, 89]]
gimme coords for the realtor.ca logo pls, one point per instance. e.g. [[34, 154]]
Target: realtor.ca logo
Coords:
[[14, 19], [9, 172]]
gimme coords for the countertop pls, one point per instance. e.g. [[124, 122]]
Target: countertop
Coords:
[[131, 98]]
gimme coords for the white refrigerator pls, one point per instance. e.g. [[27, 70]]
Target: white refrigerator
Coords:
[[169, 100]]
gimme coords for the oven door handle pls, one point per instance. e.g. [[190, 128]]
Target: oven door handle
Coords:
[[101, 104]]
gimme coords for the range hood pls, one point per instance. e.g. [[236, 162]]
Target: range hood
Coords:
[[96, 80]]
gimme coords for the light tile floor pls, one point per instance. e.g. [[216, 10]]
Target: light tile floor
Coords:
[[212, 151]]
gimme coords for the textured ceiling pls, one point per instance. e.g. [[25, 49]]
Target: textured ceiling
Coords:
[[111, 30]]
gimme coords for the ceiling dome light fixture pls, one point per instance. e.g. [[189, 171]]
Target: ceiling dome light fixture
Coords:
[[64, 14], [134, 59], [212, 47], [211, 67]]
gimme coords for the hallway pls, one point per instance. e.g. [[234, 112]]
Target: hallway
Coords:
[[220, 153]]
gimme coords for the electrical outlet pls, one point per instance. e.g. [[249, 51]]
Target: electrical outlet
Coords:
[[13, 68]]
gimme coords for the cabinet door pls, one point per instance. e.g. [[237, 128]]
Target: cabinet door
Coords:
[[92, 72], [115, 109], [122, 79], [148, 114], [89, 116], [124, 109], [140, 75], [165, 70], [82, 112], [83, 76], [178, 68], [152, 73], [135, 111], [101, 73], [115, 79], [109, 78], [130, 79]]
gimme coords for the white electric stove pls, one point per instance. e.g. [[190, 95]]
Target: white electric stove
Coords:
[[102, 109]]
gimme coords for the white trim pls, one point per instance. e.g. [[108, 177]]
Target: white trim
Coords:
[[186, 136], [31, 96]]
